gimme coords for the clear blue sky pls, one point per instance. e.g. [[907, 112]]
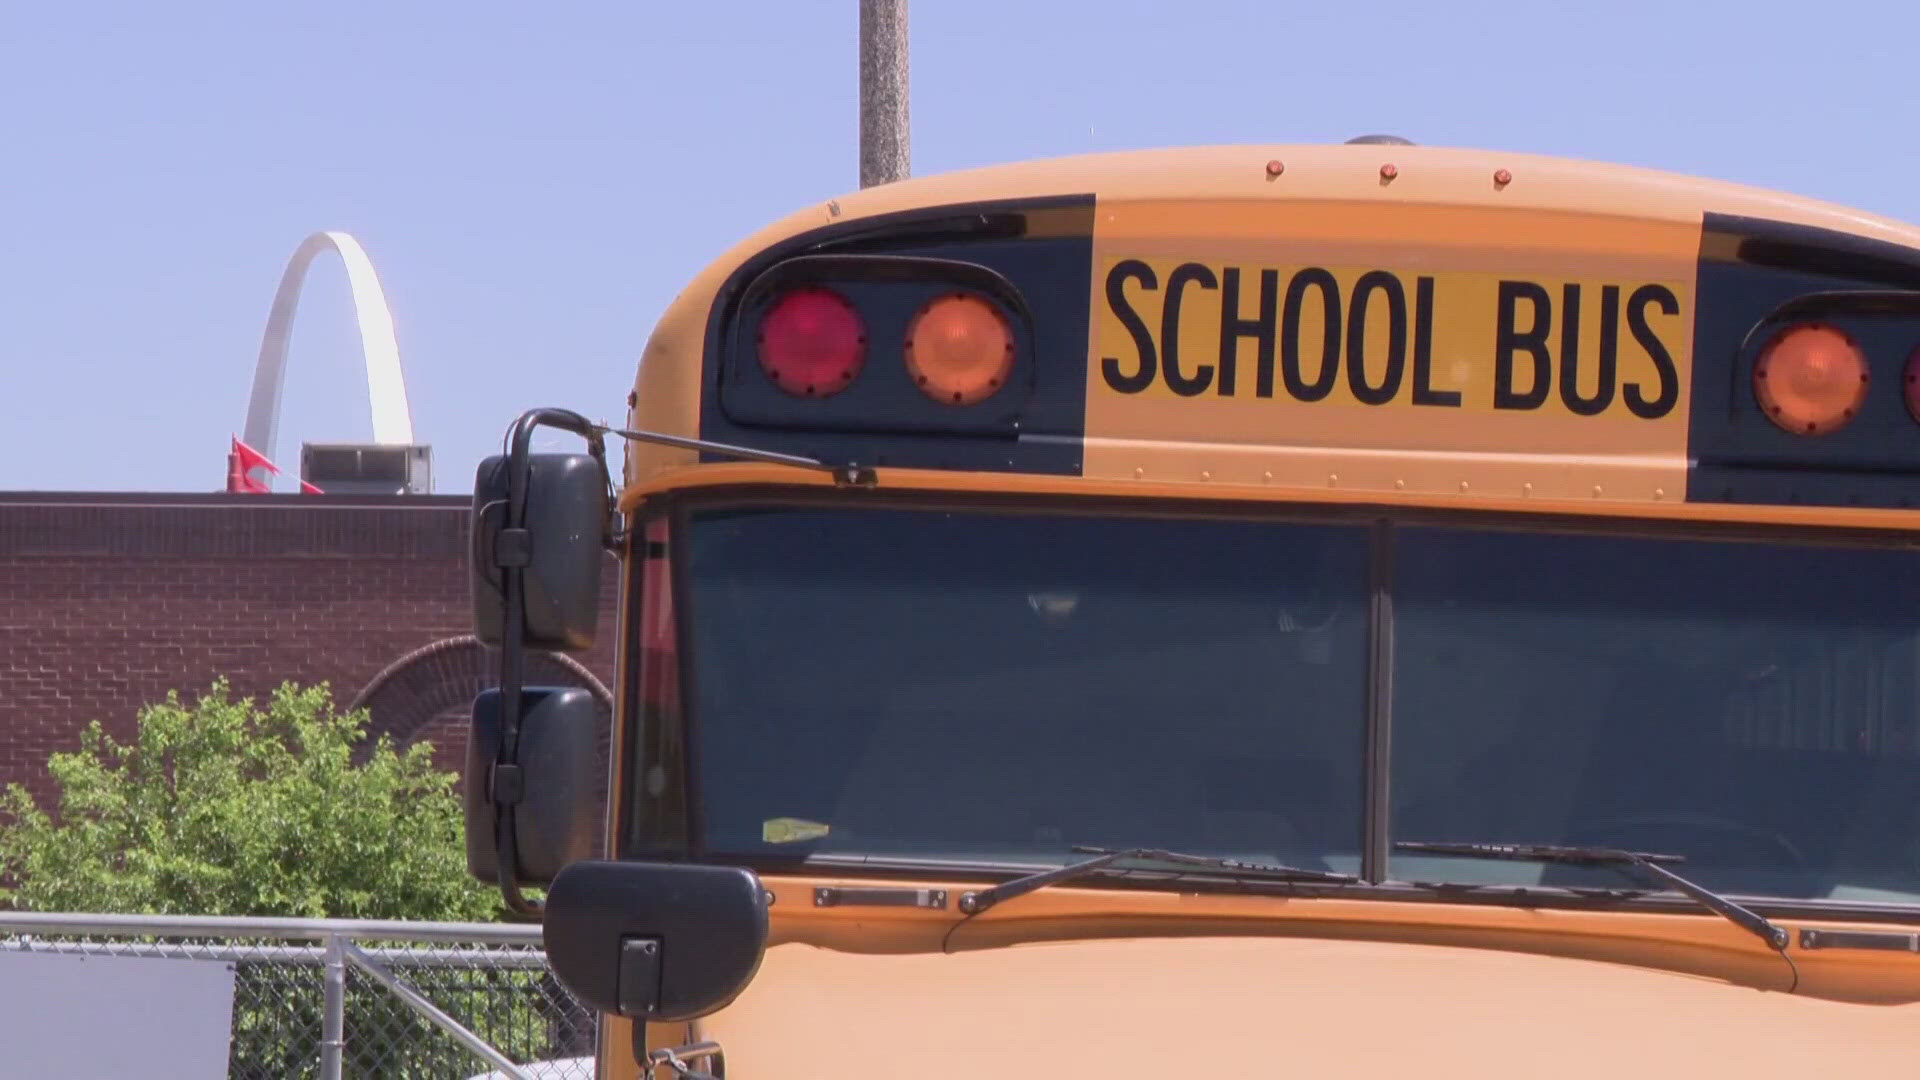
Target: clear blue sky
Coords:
[[534, 182]]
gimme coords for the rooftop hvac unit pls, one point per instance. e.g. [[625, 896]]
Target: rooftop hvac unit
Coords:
[[363, 469]]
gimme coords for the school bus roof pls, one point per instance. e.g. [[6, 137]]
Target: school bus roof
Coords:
[[1472, 322], [1423, 174]]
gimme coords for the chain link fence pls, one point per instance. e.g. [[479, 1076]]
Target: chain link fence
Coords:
[[327, 999]]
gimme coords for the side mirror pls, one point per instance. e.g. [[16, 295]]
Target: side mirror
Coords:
[[559, 548], [659, 942], [559, 777], [540, 522]]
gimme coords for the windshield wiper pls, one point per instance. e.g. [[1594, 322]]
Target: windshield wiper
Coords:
[[977, 901], [1753, 922]]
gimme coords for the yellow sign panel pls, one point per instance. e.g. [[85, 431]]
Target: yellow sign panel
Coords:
[[1392, 348], [1377, 337]]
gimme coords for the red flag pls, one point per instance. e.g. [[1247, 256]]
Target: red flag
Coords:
[[309, 489], [251, 459], [238, 482], [242, 460]]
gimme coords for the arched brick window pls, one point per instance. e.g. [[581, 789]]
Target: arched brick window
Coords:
[[447, 675], [428, 694]]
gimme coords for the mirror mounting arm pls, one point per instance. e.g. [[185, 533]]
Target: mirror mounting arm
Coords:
[[852, 474]]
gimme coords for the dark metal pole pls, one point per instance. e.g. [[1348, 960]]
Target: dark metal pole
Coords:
[[883, 91]]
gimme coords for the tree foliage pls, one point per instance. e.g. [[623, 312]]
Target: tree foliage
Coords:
[[228, 806]]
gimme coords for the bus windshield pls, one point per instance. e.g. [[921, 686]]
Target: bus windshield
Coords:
[[999, 686]]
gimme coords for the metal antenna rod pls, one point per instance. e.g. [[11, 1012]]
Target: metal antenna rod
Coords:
[[883, 91]]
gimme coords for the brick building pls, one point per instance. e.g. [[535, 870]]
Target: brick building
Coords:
[[109, 601]]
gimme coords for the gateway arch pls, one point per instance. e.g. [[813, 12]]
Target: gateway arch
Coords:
[[386, 386]]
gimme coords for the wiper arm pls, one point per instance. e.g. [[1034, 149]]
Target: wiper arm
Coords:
[[976, 901], [1751, 921]]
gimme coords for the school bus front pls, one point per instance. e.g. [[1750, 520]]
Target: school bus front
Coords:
[[1432, 610]]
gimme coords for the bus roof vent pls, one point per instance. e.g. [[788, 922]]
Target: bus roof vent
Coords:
[[1379, 140]]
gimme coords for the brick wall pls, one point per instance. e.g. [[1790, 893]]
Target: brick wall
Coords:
[[109, 601]]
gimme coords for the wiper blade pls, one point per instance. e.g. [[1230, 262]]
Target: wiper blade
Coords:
[[1751, 921], [1590, 856], [977, 901]]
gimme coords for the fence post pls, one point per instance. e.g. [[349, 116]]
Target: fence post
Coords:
[[333, 1018]]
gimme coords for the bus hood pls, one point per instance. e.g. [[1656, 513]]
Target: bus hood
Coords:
[[1280, 1007]]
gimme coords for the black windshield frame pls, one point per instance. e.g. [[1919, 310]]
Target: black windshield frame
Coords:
[[1381, 521]]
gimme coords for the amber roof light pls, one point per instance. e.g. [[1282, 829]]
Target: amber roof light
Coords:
[[959, 349], [1810, 379]]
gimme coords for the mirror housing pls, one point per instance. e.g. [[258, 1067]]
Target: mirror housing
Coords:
[[658, 942], [556, 817], [560, 549]]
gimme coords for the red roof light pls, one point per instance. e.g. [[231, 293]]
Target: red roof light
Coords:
[[812, 342]]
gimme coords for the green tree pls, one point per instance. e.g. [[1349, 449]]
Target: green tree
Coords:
[[236, 807], [278, 807]]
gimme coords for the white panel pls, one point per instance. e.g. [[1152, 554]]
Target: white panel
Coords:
[[70, 1015]]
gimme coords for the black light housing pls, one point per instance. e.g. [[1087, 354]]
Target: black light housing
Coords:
[[845, 343]]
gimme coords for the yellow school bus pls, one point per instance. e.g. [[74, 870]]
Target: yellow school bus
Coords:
[[1302, 610]]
